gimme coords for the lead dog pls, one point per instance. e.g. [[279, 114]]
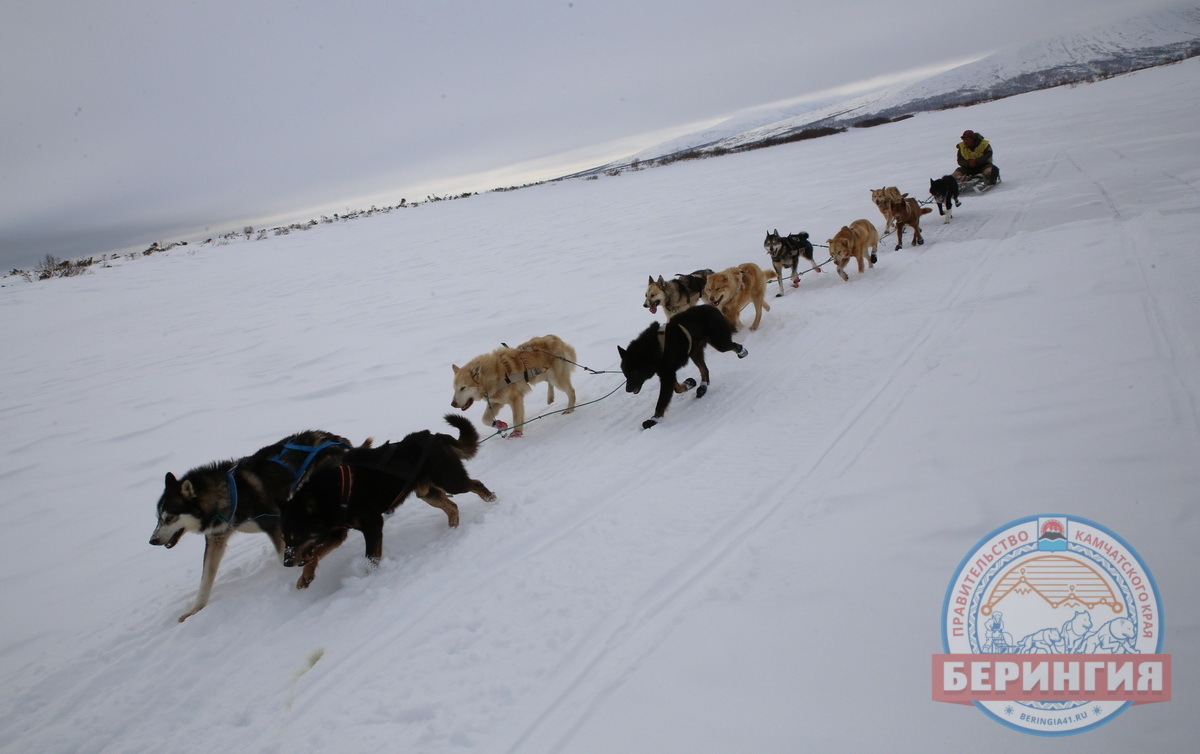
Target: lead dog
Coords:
[[732, 289], [786, 252], [908, 212], [851, 242], [664, 349], [505, 375], [883, 199], [675, 295], [944, 190], [244, 495], [372, 482]]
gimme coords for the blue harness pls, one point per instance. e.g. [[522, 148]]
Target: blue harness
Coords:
[[311, 452]]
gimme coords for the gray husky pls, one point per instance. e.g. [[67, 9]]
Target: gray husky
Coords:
[[240, 495], [785, 252], [675, 295]]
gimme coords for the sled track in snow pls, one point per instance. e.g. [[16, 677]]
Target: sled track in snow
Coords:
[[610, 662]]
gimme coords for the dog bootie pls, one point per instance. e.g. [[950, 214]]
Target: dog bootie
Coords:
[[649, 423], [743, 353], [689, 383], [700, 391]]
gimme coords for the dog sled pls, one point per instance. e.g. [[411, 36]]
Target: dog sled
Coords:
[[977, 184]]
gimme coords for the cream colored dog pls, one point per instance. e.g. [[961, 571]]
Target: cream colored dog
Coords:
[[730, 290], [505, 375], [851, 242]]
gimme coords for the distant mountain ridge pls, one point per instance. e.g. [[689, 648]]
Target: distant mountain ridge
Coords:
[[1154, 39]]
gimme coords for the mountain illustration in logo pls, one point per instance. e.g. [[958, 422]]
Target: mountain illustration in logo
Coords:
[[1059, 580]]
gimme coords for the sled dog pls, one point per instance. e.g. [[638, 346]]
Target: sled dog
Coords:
[[732, 289], [240, 495], [851, 242], [944, 190], [370, 483], [786, 252], [883, 199], [505, 375], [663, 349], [908, 212], [675, 295]]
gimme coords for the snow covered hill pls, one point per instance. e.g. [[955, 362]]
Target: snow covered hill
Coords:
[[764, 571], [1143, 41]]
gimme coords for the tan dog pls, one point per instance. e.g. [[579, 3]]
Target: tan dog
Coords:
[[851, 242], [908, 211], [883, 199], [730, 290], [505, 375]]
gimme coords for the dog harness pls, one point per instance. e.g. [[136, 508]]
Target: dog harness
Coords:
[[311, 452], [297, 474], [662, 338], [384, 465], [526, 375]]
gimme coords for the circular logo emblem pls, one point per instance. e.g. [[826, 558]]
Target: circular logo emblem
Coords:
[[1052, 625]]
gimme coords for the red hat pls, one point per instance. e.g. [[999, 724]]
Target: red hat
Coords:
[[968, 134]]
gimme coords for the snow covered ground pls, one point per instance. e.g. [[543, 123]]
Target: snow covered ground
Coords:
[[762, 572]]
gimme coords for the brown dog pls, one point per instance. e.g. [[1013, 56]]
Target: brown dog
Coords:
[[883, 199], [908, 211], [730, 290], [851, 242]]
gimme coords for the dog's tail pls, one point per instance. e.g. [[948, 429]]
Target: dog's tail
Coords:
[[926, 210], [467, 444]]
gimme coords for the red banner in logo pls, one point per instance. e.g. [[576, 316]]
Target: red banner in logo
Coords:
[[969, 678]]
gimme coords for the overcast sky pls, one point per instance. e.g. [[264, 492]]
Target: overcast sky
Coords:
[[124, 122]]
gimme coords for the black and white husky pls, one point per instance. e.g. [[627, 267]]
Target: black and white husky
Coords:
[[944, 190], [675, 295], [663, 349], [240, 495], [786, 252]]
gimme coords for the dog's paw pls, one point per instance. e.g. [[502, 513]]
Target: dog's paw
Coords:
[[515, 434], [742, 352], [780, 295], [649, 423], [700, 391], [689, 383], [899, 246], [920, 242], [303, 582]]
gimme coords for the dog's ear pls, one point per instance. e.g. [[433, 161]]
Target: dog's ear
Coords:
[[661, 282], [186, 490], [649, 280], [456, 368], [621, 351], [170, 482]]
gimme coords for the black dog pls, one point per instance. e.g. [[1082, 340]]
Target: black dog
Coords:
[[663, 350], [371, 482], [944, 190], [785, 252]]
